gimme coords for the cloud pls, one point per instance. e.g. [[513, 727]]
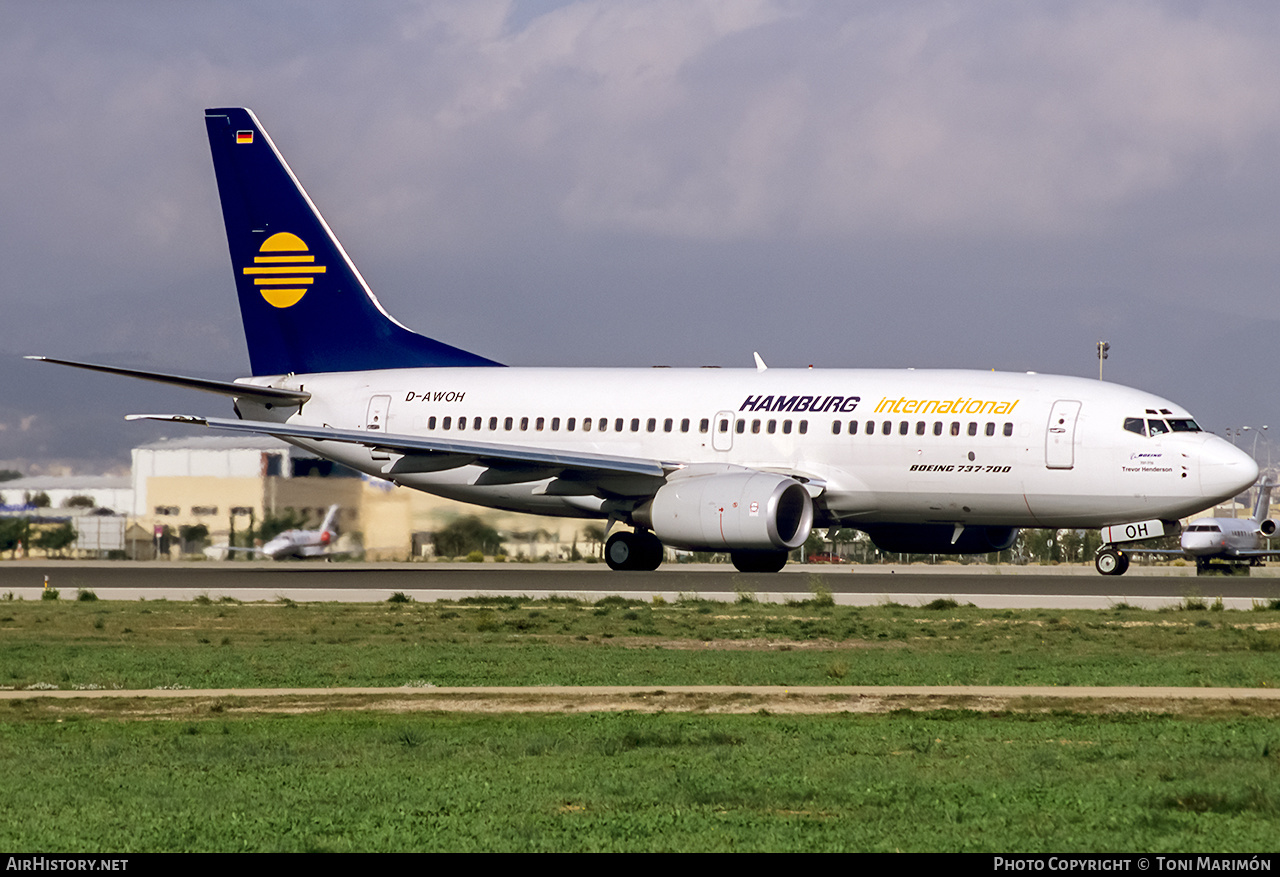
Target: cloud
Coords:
[[793, 174]]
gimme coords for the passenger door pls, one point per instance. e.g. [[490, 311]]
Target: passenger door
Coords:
[[1060, 437]]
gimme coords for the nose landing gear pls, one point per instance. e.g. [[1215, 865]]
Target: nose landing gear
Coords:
[[1111, 561]]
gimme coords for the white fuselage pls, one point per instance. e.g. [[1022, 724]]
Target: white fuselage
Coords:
[[1222, 537], [966, 447], [298, 543]]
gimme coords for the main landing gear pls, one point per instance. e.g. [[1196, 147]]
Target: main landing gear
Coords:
[[638, 551], [759, 561], [1111, 561]]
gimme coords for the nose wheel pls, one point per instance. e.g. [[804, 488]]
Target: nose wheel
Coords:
[[1111, 561]]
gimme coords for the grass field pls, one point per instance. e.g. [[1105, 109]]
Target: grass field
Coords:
[[354, 781], [615, 642], [207, 776]]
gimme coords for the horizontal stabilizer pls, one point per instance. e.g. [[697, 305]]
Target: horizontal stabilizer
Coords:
[[223, 388]]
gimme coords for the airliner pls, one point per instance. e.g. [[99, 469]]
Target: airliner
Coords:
[[1233, 540], [745, 461], [298, 543]]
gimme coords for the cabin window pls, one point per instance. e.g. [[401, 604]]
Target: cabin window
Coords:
[[571, 423], [651, 424], [853, 427], [920, 428], [446, 423], [903, 428], [955, 428], [835, 427], [431, 422], [724, 424], [991, 429], [1008, 429], [506, 424], [667, 424], [617, 424], [786, 427], [684, 425], [937, 427], [603, 425], [462, 423], [804, 427], [539, 424], [887, 428], [755, 427], [635, 424], [703, 425], [524, 424], [741, 427], [555, 424], [477, 423]]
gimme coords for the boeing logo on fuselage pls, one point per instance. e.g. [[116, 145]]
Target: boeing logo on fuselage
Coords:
[[815, 404]]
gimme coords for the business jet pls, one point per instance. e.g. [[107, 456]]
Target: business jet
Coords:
[[299, 544], [745, 461], [1235, 541]]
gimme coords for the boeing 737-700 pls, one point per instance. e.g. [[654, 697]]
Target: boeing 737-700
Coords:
[[744, 461]]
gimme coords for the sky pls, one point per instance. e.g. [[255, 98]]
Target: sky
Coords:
[[865, 184]]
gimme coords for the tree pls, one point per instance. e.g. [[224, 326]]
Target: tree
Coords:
[[55, 540], [594, 536], [464, 536], [193, 536], [40, 500], [79, 501], [275, 523], [9, 474], [13, 532]]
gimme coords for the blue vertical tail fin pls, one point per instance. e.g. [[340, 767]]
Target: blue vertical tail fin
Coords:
[[304, 305]]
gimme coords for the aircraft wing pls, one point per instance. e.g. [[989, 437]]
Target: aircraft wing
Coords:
[[445, 453], [1244, 553]]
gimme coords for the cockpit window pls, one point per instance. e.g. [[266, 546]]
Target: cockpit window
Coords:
[[1204, 528], [1156, 427], [1183, 425], [1135, 424]]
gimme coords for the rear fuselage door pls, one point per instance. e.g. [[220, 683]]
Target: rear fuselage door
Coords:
[[376, 420], [1060, 438]]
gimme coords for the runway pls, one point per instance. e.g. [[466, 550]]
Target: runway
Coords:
[[984, 586]]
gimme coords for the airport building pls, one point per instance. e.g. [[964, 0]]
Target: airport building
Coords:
[[231, 484]]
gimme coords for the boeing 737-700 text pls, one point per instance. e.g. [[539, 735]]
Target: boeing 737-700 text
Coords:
[[744, 461]]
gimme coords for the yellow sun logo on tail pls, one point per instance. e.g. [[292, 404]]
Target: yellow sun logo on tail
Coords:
[[285, 270]]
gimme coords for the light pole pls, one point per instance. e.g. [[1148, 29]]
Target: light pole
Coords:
[[1103, 347]]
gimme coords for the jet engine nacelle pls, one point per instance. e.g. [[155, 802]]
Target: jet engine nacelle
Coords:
[[936, 538], [730, 511], [1267, 527]]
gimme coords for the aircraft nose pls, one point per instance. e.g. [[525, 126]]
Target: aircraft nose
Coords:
[[1225, 470]]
